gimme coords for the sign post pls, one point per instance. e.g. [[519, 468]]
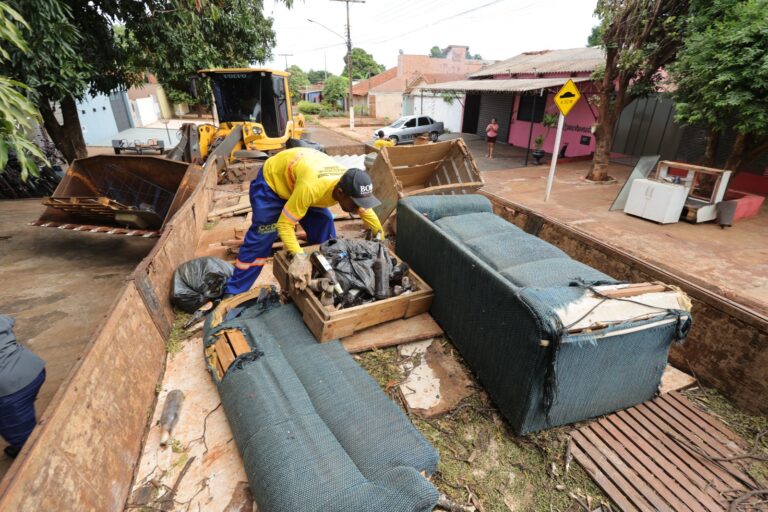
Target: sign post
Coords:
[[565, 99]]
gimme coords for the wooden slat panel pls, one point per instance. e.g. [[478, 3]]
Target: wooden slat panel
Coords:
[[603, 481], [612, 456], [666, 458], [668, 488], [659, 455], [702, 416], [618, 479], [660, 430]]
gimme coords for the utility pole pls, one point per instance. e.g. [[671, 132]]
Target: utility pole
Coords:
[[349, 62], [286, 55]]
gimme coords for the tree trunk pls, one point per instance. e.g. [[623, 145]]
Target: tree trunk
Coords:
[[756, 151], [68, 136], [737, 152], [603, 143], [710, 153]]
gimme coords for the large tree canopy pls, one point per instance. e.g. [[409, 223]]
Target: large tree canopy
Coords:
[[640, 37], [721, 76], [363, 65], [16, 111], [170, 38], [335, 89], [315, 77]]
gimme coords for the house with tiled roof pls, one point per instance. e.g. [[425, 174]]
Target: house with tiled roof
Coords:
[[384, 95]]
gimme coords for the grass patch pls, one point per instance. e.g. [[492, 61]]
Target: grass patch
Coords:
[[175, 341], [480, 454], [210, 225], [746, 425]]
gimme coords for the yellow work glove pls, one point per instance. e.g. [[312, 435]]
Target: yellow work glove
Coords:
[[300, 270]]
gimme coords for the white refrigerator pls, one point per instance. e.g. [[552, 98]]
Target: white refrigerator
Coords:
[[657, 201]]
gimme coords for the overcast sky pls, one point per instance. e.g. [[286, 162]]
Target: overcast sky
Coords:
[[496, 29]]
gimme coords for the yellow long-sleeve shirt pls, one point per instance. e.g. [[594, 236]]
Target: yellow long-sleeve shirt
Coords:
[[383, 143], [306, 177]]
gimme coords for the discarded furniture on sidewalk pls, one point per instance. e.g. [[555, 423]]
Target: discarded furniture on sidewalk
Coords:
[[297, 409], [748, 191], [553, 340], [678, 190], [440, 168]]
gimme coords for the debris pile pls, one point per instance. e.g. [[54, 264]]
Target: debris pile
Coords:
[[348, 273]]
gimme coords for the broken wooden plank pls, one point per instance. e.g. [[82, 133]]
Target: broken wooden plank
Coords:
[[675, 380], [632, 290], [396, 332]]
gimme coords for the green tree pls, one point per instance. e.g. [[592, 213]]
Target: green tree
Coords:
[[99, 46], [335, 89], [436, 52], [363, 65], [297, 82], [17, 113], [721, 77], [639, 37], [315, 77], [596, 37]]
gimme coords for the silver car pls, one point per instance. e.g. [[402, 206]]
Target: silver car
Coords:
[[407, 128]]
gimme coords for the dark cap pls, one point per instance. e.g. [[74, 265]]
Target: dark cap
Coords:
[[357, 184]]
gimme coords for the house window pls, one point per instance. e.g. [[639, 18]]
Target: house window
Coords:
[[531, 104]]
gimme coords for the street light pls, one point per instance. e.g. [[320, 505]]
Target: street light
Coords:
[[349, 68]]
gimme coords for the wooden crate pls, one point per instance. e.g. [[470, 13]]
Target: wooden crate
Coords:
[[440, 168], [330, 325]]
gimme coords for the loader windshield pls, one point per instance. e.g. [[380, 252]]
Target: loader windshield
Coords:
[[251, 97]]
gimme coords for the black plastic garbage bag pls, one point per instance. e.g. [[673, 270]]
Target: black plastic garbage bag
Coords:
[[352, 261], [197, 281]]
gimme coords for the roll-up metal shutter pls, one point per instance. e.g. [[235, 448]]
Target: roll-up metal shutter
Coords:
[[498, 106]]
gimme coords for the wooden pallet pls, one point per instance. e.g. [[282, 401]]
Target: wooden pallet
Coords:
[[330, 325], [662, 455], [86, 206]]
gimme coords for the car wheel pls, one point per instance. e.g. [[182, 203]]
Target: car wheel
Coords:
[[117, 151], [394, 139], [433, 136]]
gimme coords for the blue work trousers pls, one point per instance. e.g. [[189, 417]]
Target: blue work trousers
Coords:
[[17, 412], [257, 246]]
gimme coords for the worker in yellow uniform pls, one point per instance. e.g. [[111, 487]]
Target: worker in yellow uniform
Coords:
[[382, 141], [297, 186]]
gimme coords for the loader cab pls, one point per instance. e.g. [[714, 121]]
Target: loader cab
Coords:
[[257, 99], [252, 97]]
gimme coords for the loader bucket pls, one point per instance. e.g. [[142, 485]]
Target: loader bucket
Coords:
[[127, 195]]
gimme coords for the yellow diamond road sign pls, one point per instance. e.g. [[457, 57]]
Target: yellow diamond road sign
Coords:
[[567, 97]]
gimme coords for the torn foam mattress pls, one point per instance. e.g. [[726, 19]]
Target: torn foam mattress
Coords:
[[315, 431]]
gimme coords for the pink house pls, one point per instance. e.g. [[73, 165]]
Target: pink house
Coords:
[[519, 91]]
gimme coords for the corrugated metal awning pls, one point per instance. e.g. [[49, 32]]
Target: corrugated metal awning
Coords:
[[511, 85]]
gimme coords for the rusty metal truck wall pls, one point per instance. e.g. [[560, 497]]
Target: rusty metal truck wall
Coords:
[[728, 346]]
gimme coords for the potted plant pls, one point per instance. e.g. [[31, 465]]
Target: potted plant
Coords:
[[538, 153]]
